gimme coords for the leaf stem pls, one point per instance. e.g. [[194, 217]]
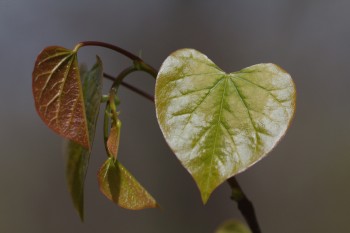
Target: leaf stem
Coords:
[[119, 79], [244, 205], [107, 116], [109, 46], [138, 62]]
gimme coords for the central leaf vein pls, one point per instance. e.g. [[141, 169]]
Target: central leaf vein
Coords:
[[201, 101], [212, 157]]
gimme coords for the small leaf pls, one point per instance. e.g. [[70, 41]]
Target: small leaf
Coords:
[[78, 156], [113, 139], [219, 124], [233, 226], [58, 93], [118, 185]]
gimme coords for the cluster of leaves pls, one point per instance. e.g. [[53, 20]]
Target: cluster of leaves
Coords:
[[217, 124], [70, 106]]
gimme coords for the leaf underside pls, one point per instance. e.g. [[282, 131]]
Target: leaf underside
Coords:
[[219, 124], [58, 93], [78, 156], [118, 185], [233, 226]]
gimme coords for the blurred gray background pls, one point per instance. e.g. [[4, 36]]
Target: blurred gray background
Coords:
[[302, 186]]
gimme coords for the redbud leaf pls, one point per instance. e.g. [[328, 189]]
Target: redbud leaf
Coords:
[[218, 124], [58, 94], [119, 186]]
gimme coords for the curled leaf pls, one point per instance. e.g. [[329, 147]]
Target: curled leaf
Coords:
[[78, 156], [58, 94], [219, 124], [113, 139], [118, 185]]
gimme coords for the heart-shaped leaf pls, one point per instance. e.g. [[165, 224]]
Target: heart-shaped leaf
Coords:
[[78, 156], [219, 124], [58, 93], [233, 226], [118, 185]]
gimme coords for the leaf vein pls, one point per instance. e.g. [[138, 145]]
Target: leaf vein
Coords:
[[265, 89], [191, 75], [53, 56], [62, 87], [248, 111], [202, 100], [216, 135], [50, 76]]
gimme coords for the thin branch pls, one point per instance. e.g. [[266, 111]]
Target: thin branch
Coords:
[[130, 87], [120, 77], [244, 205], [138, 91]]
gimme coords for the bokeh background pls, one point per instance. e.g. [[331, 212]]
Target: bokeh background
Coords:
[[302, 186]]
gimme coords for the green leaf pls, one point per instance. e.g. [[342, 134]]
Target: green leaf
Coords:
[[118, 185], [219, 124], [233, 226], [78, 156], [58, 93]]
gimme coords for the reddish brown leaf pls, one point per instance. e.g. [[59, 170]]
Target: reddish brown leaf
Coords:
[[58, 94]]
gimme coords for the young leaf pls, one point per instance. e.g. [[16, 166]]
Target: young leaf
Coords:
[[113, 139], [233, 226], [78, 156], [118, 185], [219, 124], [58, 93]]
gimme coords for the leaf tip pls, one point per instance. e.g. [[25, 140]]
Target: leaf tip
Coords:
[[81, 215], [205, 196]]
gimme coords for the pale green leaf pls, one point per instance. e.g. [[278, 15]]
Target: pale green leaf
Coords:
[[78, 156], [118, 185], [233, 226], [219, 124]]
